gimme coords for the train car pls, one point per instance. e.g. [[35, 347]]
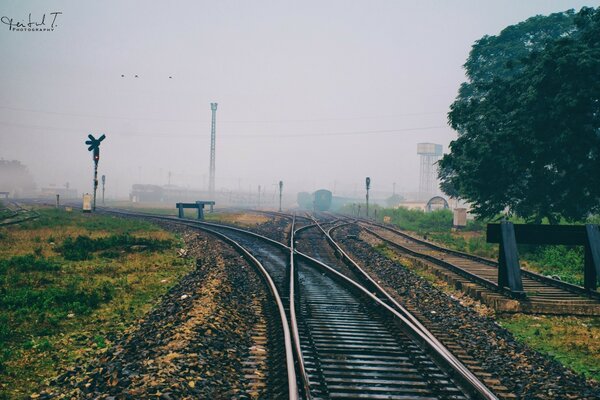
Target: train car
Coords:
[[322, 200]]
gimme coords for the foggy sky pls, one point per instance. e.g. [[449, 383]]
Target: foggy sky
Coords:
[[315, 93]]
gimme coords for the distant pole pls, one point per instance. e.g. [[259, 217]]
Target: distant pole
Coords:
[[394, 190], [103, 184], [280, 192], [258, 196], [213, 128], [96, 158], [94, 147], [57, 200], [368, 185]]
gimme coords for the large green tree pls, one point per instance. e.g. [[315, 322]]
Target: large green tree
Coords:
[[528, 121]]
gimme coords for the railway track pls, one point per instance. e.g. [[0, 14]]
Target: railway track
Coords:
[[274, 356], [12, 213], [345, 341], [325, 248], [479, 276]]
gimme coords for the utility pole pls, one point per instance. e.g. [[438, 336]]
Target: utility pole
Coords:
[[103, 183], [94, 147], [368, 185], [280, 192], [258, 196], [213, 127], [394, 190]]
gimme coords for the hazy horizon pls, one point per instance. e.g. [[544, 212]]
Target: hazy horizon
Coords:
[[316, 94]]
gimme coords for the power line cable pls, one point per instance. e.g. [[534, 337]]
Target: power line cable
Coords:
[[79, 115], [231, 135]]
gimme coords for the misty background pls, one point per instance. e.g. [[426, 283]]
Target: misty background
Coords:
[[319, 94]]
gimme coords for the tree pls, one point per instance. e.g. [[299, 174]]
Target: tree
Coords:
[[394, 200], [529, 127], [15, 177]]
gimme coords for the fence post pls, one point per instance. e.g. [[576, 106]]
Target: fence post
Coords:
[[509, 270], [591, 271]]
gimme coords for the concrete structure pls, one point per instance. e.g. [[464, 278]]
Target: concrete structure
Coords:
[[199, 205], [460, 217], [428, 183]]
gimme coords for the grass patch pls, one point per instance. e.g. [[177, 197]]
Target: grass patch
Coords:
[[83, 247], [564, 262], [241, 219], [467, 242], [573, 341], [68, 283]]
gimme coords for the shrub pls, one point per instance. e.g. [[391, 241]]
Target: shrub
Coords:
[[82, 247], [27, 263]]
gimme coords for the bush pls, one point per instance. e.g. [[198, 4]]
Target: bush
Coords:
[[417, 220], [27, 263], [83, 247], [565, 262]]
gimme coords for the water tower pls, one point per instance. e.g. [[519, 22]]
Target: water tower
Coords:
[[428, 183]]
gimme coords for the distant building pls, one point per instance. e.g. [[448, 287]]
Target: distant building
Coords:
[[141, 193], [63, 192]]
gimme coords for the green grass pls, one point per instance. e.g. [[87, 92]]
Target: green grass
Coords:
[[573, 341], [565, 262], [56, 218], [83, 247], [68, 281]]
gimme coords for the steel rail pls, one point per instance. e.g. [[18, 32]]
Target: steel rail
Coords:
[[293, 320], [481, 388], [442, 354], [530, 274], [452, 363], [289, 347], [15, 214], [454, 268]]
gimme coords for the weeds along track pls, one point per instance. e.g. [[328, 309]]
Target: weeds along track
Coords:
[[543, 295], [347, 342]]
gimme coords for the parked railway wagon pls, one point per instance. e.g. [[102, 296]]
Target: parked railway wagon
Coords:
[[322, 200]]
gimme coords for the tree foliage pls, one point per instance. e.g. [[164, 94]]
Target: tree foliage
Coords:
[[528, 121], [15, 177]]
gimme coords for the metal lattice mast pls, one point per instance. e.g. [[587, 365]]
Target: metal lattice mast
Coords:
[[213, 126]]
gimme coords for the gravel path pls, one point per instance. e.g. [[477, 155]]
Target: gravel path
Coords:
[[196, 342], [525, 372]]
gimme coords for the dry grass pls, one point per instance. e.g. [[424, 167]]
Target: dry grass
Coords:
[[30, 354], [241, 219], [574, 341]]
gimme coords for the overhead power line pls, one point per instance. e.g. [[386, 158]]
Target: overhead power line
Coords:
[[231, 135], [84, 115]]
